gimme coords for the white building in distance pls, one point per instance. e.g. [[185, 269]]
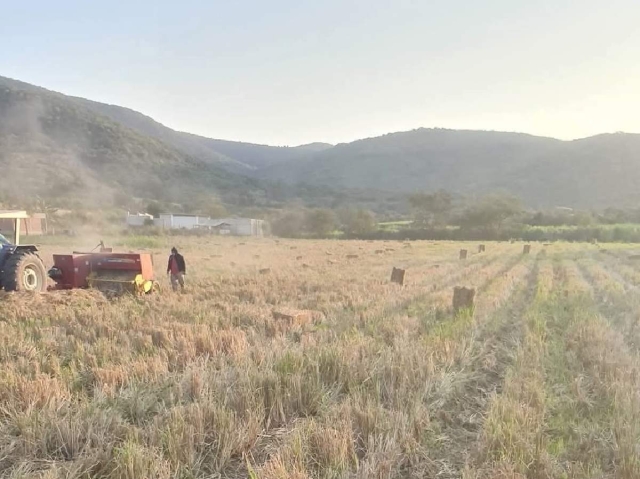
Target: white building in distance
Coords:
[[180, 221], [228, 226], [139, 219], [239, 226]]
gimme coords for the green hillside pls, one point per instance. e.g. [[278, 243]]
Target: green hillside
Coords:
[[240, 157], [595, 172], [53, 146]]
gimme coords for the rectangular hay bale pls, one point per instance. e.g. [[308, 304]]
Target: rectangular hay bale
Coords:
[[463, 299], [397, 276]]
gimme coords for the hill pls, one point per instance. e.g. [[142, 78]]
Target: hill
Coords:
[[258, 157], [236, 156], [54, 146], [57, 145], [193, 145], [80, 152], [591, 173]]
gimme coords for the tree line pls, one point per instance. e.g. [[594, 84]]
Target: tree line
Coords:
[[323, 223], [442, 215]]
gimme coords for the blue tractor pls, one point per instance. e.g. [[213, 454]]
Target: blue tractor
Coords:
[[21, 269]]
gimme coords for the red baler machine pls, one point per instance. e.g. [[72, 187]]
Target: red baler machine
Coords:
[[106, 271]]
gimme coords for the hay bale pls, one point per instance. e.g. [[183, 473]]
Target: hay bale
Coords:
[[481, 248], [298, 258], [352, 256], [292, 316], [526, 249], [305, 266], [379, 251], [463, 299], [397, 276], [264, 271], [463, 254]]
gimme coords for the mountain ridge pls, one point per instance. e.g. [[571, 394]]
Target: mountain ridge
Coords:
[[119, 149], [51, 145], [543, 171]]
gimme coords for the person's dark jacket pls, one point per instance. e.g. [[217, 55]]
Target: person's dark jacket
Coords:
[[180, 260]]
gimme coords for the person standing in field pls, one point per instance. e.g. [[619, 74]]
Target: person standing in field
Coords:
[[176, 269]]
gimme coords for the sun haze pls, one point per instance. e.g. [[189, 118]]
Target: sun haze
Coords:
[[288, 72]]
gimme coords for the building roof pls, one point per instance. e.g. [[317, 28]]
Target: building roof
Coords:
[[13, 214]]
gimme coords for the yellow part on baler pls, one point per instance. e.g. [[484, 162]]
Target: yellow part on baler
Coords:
[[143, 286], [119, 282]]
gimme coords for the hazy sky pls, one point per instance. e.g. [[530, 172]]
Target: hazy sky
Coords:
[[293, 71]]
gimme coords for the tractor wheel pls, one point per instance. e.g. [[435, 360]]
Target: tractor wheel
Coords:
[[24, 271]]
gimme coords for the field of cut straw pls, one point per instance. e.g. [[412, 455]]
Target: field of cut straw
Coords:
[[300, 359]]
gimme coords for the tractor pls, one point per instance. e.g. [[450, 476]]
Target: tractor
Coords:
[[21, 269]]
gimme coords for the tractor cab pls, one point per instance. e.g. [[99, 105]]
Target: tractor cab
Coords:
[[21, 269]]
